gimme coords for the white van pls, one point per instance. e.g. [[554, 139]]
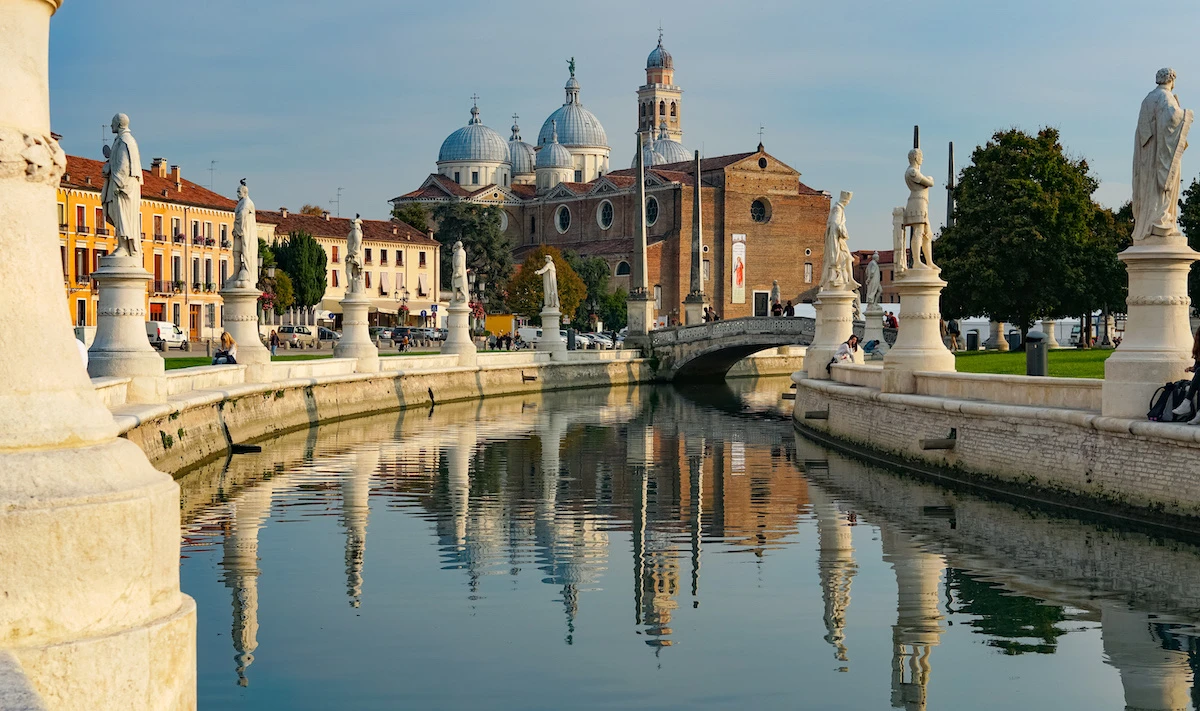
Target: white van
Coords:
[[164, 335]]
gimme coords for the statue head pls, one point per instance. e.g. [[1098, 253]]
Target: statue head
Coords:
[[458, 246], [549, 259], [915, 157], [242, 190], [120, 123], [875, 257], [1165, 76], [844, 198]]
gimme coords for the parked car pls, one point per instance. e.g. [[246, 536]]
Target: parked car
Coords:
[[164, 335], [326, 334], [601, 340], [297, 337]]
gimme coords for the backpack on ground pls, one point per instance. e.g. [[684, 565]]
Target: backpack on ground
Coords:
[[1167, 398]]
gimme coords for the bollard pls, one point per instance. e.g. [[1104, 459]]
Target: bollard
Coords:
[[208, 347], [1036, 354]]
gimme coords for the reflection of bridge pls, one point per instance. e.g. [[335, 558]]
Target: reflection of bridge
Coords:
[[710, 349]]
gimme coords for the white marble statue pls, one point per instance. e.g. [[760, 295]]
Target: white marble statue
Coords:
[[549, 284], [874, 281], [899, 249], [776, 294], [1159, 144], [458, 277], [354, 270], [916, 212], [839, 265], [122, 193], [245, 238]]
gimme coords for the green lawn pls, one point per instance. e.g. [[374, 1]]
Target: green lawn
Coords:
[[1064, 363]]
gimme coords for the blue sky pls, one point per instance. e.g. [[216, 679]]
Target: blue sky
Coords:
[[305, 96]]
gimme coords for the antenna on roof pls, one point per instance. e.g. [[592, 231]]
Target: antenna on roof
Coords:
[[212, 167], [338, 202]]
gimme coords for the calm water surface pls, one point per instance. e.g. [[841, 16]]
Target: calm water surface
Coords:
[[656, 548]]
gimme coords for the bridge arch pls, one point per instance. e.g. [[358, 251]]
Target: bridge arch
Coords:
[[707, 351]]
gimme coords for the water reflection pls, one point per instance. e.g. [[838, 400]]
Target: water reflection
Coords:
[[555, 486]]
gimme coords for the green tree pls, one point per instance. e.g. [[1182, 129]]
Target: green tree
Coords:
[[1189, 222], [489, 253], [525, 295], [1023, 211], [412, 213], [310, 209], [266, 255], [594, 272], [284, 297], [613, 310], [302, 257]]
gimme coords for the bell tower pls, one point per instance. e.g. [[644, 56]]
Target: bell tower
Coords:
[[659, 99]]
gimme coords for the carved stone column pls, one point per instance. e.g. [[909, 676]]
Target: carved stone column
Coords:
[[550, 340], [835, 323], [458, 334], [918, 343], [873, 330], [89, 531], [241, 321], [121, 348], [1049, 326], [356, 335]]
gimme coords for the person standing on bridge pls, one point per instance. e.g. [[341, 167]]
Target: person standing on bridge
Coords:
[[789, 311]]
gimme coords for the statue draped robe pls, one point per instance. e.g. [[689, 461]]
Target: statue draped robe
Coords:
[[1158, 149], [245, 242], [122, 192], [458, 277]]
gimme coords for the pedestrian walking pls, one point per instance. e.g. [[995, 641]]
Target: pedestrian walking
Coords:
[[274, 340]]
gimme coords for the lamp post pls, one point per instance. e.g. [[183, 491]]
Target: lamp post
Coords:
[[482, 284]]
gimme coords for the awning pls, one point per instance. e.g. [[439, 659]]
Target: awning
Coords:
[[422, 284], [391, 312]]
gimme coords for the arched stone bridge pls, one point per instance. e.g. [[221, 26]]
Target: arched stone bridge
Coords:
[[707, 351]]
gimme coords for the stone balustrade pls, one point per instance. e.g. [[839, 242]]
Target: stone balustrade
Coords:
[[1073, 393]]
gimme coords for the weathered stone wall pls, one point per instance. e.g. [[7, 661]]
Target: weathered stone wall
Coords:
[[1150, 468]]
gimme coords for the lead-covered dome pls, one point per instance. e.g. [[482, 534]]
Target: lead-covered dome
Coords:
[[576, 125], [650, 156], [552, 154], [671, 151], [520, 154], [474, 142], [659, 58]]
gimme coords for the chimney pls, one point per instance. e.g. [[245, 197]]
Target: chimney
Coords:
[[395, 230], [176, 177], [87, 179], [158, 166], [325, 214], [429, 233], [283, 212]]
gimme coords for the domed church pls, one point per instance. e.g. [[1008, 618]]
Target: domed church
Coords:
[[561, 192]]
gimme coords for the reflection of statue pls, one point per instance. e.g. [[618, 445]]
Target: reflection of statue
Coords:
[[122, 193], [1161, 139], [458, 278], [874, 285], [776, 296], [245, 238], [899, 253], [353, 265], [839, 273], [916, 212], [549, 284]]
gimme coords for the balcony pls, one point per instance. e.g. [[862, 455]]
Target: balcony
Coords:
[[63, 228], [210, 287], [83, 279], [196, 287], [164, 287], [82, 230], [102, 232], [209, 242], [226, 244], [197, 241], [180, 238], [160, 237]]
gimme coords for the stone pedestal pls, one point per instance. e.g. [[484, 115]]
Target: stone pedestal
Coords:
[[693, 308], [121, 348], [1157, 345], [1049, 326], [997, 341], [241, 321], [89, 531], [458, 334], [356, 336], [919, 344], [873, 330], [640, 321], [550, 341], [835, 323]]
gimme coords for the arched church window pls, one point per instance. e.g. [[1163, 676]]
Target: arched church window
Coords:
[[623, 269], [642, 110], [562, 219], [651, 210], [662, 108], [672, 108], [760, 210], [604, 215]]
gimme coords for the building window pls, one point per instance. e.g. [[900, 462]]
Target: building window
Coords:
[[579, 176], [706, 270], [81, 312], [224, 271], [399, 258], [651, 210], [333, 278], [208, 273], [658, 297], [642, 110], [760, 210], [62, 249], [176, 229], [421, 258], [604, 215], [662, 108], [175, 314], [532, 225], [158, 226], [808, 272], [474, 177], [457, 179], [367, 283], [367, 255], [562, 219], [62, 217], [503, 221], [195, 228], [81, 262], [100, 229], [335, 254], [80, 219], [224, 234], [195, 272], [383, 257], [208, 230], [177, 268], [672, 108], [623, 269]]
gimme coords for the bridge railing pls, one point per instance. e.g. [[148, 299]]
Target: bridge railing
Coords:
[[799, 326]]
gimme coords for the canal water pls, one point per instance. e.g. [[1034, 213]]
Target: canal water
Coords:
[[656, 548]]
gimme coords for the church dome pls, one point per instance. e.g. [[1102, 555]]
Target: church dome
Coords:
[[576, 125], [660, 58], [671, 151], [520, 154], [650, 156], [552, 154], [474, 142]]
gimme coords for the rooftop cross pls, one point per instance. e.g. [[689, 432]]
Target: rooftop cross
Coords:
[[660, 31], [475, 99], [761, 129]]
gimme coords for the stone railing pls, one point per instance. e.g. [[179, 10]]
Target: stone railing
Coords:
[[799, 326], [204, 377], [1072, 393], [866, 376]]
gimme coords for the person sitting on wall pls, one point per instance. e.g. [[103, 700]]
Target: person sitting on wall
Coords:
[[227, 353], [844, 353], [1185, 407]]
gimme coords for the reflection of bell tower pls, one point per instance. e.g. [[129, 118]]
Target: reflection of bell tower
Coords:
[[241, 569], [835, 565], [356, 492], [659, 100], [1154, 677], [918, 626]]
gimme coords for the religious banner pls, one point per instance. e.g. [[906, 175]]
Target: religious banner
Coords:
[[738, 269]]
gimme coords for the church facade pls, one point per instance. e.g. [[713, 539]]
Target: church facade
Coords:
[[760, 223]]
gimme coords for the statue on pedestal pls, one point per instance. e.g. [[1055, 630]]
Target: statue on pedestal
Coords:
[[458, 278], [245, 239], [874, 283], [122, 193], [549, 284], [839, 269], [1159, 144], [354, 269], [916, 212]]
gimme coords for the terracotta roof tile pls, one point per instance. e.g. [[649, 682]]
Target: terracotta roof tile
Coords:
[[525, 192], [339, 227], [80, 170]]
